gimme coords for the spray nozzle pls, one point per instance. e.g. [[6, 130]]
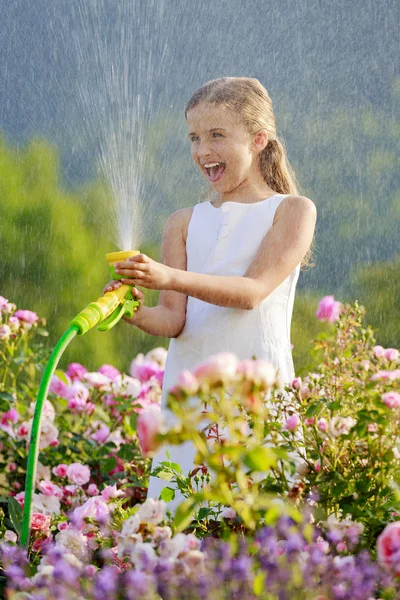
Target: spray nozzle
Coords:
[[110, 308]]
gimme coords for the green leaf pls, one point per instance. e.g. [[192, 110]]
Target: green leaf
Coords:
[[172, 465], [313, 409], [5, 400], [15, 514], [260, 459], [126, 452], [167, 494], [108, 465], [203, 513], [42, 332]]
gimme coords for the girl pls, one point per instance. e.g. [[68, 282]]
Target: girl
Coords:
[[229, 265]]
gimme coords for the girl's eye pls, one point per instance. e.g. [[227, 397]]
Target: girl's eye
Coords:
[[194, 138], [215, 133]]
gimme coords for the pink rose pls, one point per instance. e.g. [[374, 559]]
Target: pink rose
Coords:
[[76, 371], [94, 508], [296, 383], [40, 522], [388, 546], [109, 371], [60, 470], [188, 383], [110, 492], [92, 489], [391, 399], [322, 425], [229, 513], [389, 375], [391, 354], [328, 309], [3, 302], [378, 351], [20, 498], [101, 434], [149, 424], [218, 368], [78, 473], [58, 387], [258, 372], [48, 488], [292, 422], [97, 380], [27, 316], [11, 416]]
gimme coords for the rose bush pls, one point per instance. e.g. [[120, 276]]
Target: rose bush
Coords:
[[300, 481]]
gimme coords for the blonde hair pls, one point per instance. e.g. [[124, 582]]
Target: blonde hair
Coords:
[[248, 98]]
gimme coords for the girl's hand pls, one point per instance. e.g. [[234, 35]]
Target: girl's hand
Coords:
[[139, 295], [145, 272]]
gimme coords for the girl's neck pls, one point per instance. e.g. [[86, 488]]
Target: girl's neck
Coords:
[[246, 193]]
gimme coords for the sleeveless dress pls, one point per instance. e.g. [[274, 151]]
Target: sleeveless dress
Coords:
[[224, 241]]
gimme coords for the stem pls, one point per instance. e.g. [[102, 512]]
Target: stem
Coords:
[[35, 432]]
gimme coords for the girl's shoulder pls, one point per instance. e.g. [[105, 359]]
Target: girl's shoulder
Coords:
[[180, 219], [292, 202]]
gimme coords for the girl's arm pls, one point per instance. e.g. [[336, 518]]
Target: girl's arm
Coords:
[[282, 249], [167, 319]]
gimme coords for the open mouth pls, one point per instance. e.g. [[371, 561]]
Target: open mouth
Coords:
[[215, 171]]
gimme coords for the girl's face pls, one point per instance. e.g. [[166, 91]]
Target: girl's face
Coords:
[[221, 146]]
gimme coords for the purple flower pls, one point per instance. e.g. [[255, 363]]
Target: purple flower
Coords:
[[27, 316], [76, 371]]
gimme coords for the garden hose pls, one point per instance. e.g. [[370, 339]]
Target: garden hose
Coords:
[[105, 312]]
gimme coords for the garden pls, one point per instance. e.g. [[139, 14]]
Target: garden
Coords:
[[295, 494]]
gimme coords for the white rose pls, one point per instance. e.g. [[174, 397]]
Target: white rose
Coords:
[[341, 426], [131, 525], [152, 511], [127, 386], [143, 556], [159, 355], [73, 542], [47, 505]]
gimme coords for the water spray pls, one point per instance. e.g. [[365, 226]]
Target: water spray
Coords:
[[105, 312]]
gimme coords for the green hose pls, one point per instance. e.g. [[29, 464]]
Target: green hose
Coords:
[[35, 432]]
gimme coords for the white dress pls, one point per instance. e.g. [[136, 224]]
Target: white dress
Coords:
[[224, 241]]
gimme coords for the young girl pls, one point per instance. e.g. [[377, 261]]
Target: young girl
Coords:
[[229, 265]]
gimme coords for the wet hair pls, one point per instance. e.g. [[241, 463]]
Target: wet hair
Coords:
[[249, 99]]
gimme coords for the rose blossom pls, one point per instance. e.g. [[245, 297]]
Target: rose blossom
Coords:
[[78, 473], [97, 380], [58, 387], [126, 386], [341, 426], [391, 354], [322, 425], [76, 371], [48, 488], [40, 522], [152, 511], [93, 508], [296, 383], [218, 368], [110, 492], [388, 547], [328, 309], [10, 536], [109, 371], [187, 383], [5, 332], [158, 355], [149, 424], [229, 513], [92, 489], [60, 470], [258, 372], [28, 317], [101, 433], [391, 399], [292, 422], [3, 302], [378, 351]]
